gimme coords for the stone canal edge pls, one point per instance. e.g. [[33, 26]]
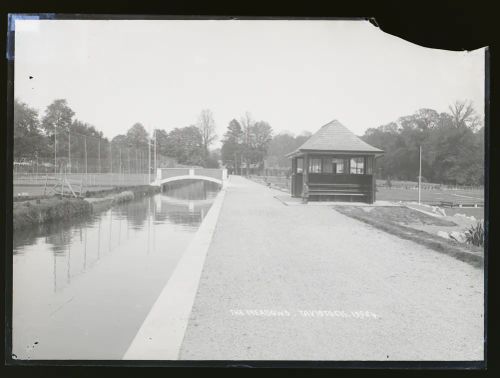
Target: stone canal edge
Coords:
[[162, 332]]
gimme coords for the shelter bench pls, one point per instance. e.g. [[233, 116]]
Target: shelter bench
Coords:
[[334, 190]]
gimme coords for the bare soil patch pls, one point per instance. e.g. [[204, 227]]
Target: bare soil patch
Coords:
[[406, 216], [398, 220]]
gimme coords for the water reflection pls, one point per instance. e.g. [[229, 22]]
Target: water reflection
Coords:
[[115, 262], [186, 202]]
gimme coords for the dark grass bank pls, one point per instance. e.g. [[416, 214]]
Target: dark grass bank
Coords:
[[30, 213], [45, 210], [382, 219]]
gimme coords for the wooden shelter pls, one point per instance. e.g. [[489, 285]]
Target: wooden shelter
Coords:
[[334, 164]]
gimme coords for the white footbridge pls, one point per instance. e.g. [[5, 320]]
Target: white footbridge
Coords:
[[166, 175]]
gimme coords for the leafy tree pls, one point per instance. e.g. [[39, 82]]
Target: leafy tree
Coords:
[[301, 139], [261, 136], [246, 143], [186, 145], [212, 161], [57, 121], [83, 137], [256, 138], [137, 136], [279, 147], [452, 146], [161, 143], [232, 146], [28, 139], [58, 117]]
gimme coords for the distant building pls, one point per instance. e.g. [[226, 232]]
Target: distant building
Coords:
[[334, 164]]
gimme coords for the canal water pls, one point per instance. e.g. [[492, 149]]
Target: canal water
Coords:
[[82, 289]]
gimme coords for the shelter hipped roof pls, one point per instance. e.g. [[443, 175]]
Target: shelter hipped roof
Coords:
[[336, 137]]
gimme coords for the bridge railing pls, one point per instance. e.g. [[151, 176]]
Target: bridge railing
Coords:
[[209, 172], [164, 173], [213, 173]]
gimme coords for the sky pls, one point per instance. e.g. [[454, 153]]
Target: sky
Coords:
[[295, 75]]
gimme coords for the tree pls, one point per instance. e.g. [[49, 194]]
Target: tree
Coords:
[[426, 119], [213, 158], [464, 115], [261, 136], [255, 138], [453, 150], [234, 132], [161, 143], [301, 139], [137, 136], [85, 140], [246, 124], [57, 120], [232, 146], [28, 139], [206, 125], [279, 147], [58, 117], [186, 145]]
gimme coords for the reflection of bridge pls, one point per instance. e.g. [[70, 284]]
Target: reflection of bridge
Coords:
[[166, 175], [185, 202], [176, 207]]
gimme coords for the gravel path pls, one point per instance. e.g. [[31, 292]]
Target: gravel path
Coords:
[[308, 283]]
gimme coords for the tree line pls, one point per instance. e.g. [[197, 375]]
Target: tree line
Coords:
[[58, 134], [245, 145], [452, 142], [452, 146]]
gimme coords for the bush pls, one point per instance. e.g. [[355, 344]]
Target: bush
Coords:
[[475, 235], [123, 197]]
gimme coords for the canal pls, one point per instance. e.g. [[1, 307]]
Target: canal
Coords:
[[82, 289]]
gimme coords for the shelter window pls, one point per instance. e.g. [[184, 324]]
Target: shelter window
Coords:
[[338, 165], [300, 165], [331, 165], [327, 166], [315, 166], [357, 166]]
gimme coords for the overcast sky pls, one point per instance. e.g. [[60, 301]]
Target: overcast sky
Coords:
[[296, 75]]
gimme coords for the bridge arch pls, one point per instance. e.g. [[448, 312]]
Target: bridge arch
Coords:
[[167, 175], [188, 177]]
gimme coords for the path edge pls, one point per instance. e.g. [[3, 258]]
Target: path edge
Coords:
[[162, 332]]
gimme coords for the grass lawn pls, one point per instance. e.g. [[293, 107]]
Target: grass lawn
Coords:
[[431, 196], [37, 190]]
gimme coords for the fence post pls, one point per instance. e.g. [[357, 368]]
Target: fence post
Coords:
[[128, 154], [55, 150], [86, 172], [121, 167], [69, 150], [99, 153], [36, 168], [110, 159]]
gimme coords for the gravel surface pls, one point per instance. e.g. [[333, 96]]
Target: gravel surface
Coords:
[[308, 283]]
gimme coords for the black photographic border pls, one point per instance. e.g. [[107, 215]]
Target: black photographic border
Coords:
[[449, 25]]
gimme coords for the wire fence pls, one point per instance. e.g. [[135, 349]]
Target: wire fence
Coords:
[[413, 185], [90, 161], [281, 178]]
